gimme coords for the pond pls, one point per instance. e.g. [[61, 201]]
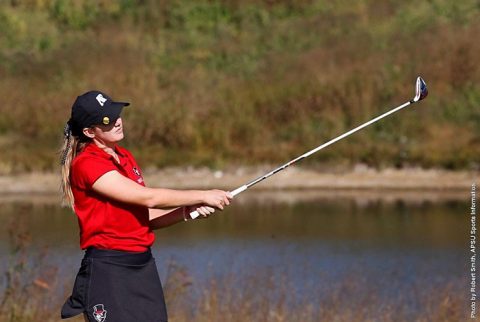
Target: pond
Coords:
[[375, 255]]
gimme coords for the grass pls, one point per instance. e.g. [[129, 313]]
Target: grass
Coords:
[[221, 82]]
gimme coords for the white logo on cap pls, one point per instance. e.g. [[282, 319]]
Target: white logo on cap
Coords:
[[101, 100]]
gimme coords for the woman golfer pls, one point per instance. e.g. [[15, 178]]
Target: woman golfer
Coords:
[[118, 279]]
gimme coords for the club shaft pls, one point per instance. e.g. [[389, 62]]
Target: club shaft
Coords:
[[309, 153]]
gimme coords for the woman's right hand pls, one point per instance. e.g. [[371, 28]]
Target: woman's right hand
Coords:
[[203, 211], [217, 198]]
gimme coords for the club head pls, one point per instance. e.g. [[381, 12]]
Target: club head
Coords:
[[421, 90]]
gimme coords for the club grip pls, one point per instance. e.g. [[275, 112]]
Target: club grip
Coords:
[[194, 214]]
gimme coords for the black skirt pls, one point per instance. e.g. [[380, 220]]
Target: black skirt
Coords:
[[117, 286]]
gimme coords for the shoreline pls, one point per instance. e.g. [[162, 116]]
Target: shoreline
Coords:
[[295, 178]]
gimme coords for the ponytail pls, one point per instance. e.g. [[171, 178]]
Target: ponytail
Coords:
[[72, 145]]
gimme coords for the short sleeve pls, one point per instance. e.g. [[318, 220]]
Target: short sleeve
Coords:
[[85, 171]]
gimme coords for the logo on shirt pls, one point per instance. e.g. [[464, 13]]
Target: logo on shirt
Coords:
[[138, 174], [99, 313], [136, 171]]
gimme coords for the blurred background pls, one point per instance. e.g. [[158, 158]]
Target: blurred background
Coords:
[[222, 84], [245, 82]]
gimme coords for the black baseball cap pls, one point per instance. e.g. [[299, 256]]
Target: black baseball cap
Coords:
[[93, 108]]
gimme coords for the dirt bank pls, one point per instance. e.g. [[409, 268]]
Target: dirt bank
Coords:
[[359, 178]]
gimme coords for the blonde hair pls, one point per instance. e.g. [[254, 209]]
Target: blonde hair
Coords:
[[72, 145]]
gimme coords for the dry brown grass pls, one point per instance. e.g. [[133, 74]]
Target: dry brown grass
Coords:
[[214, 83]]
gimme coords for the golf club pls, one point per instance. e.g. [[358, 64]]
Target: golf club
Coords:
[[421, 92]]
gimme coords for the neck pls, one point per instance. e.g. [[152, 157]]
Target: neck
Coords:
[[108, 147]]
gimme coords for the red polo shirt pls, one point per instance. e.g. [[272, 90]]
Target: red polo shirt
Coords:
[[106, 223]]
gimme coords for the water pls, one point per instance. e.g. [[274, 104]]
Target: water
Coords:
[[401, 247]]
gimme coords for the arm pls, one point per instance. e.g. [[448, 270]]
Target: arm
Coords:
[[114, 185], [160, 218]]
